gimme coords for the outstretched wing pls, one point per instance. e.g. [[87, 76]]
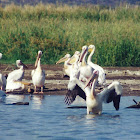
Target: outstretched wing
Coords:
[[71, 95], [112, 93]]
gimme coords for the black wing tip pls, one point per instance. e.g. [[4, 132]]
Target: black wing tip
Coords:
[[116, 102], [67, 100]]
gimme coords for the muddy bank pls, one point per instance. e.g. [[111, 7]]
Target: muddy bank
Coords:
[[55, 83]]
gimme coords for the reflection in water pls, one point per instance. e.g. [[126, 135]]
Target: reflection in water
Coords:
[[36, 101], [91, 116], [14, 98], [2, 99], [54, 121]]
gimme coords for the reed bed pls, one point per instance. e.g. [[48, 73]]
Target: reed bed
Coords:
[[61, 29]]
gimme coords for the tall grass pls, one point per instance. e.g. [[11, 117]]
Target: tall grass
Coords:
[[61, 29]]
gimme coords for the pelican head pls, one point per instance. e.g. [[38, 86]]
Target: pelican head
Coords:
[[75, 57], [84, 51], [38, 57], [93, 76], [91, 48], [65, 58], [77, 53], [20, 64]]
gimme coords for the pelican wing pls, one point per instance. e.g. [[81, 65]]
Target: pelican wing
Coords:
[[71, 95], [112, 93], [16, 75], [32, 73]]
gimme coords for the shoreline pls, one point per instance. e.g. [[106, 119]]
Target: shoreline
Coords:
[[56, 84]]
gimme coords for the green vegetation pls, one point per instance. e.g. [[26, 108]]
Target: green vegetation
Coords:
[[61, 29]]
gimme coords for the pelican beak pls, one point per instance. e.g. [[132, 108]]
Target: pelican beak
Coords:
[[90, 50], [72, 60], [36, 62], [82, 55], [24, 66], [38, 57], [62, 60], [24, 83], [93, 76]]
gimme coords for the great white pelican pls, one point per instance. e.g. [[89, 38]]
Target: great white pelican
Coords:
[[67, 65], [38, 75], [102, 75], [14, 79], [84, 69], [94, 100]]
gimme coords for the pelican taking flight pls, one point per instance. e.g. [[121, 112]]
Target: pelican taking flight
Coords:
[[95, 100], [38, 75], [101, 78], [14, 79]]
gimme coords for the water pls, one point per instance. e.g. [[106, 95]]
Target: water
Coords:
[[47, 117]]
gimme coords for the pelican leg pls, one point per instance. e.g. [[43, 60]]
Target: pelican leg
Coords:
[[41, 90], [35, 90], [88, 112]]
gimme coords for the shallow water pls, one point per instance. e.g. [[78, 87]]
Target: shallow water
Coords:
[[47, 117]]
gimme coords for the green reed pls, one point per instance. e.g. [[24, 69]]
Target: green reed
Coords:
[[61, 29]]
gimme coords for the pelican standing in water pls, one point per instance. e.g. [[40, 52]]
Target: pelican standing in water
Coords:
[[14, 79], [95, 100], [101, 78], [2, 79], [38, 75]]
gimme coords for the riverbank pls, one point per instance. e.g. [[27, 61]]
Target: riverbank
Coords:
[[55, 83]]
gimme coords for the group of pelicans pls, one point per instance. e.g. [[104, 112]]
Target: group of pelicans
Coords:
[[13, 81], [84, 78]]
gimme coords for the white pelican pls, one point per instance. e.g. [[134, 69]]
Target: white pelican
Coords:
[[85, 69], [67, 65], [2, 78], [101, 78], [74, 69], [81, 70], [38, 75], [69, 62], [94, 100], [14, 79]]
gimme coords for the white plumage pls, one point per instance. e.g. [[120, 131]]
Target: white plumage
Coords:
[[95, 100], [38, 75], [102, 77], [84, 69], [15, 77], [67, 65]]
